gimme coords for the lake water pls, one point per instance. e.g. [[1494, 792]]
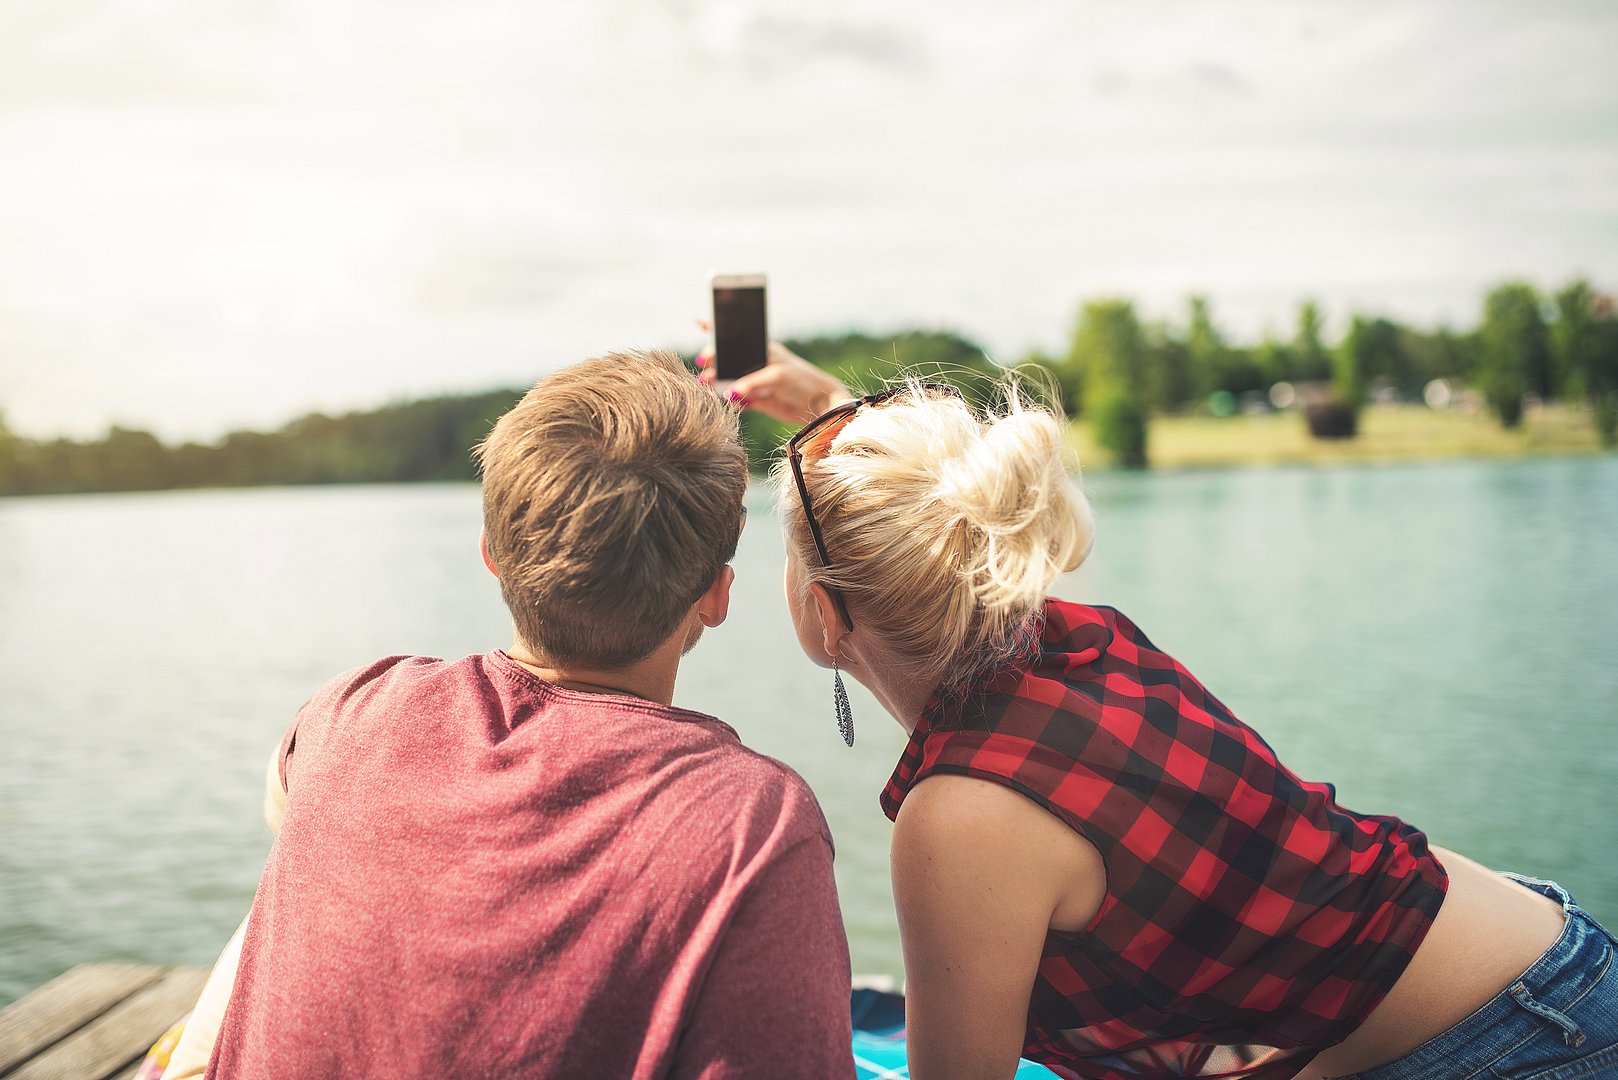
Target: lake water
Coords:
[[1441, 641]]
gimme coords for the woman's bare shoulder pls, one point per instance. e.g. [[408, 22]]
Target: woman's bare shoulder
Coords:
[[970, 827]]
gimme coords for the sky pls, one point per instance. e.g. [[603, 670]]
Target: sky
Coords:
[[217, 214]]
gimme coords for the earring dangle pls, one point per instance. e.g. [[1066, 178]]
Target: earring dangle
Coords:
[[839, 700]]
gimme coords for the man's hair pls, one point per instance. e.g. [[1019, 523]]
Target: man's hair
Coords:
[[612, 498]]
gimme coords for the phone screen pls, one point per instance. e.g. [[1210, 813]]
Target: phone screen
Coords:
[[740, 334]]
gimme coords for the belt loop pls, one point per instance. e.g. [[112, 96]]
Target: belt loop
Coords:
[[1570, 1030], [1544, 887]]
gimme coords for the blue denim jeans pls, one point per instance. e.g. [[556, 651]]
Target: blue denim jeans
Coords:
[[1558, 1021]]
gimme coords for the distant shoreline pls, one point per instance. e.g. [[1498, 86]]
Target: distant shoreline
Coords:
[[1388, 434], [1191, 442]]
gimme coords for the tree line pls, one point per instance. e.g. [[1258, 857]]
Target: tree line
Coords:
[[1117, 372], [421, 440], [424, 440]]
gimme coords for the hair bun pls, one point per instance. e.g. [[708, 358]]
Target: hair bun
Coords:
[[1026, 519], [946, 528]]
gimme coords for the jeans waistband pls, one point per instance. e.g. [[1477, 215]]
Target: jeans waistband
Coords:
[[1579, 928], [1545, 888], [1540, 995]]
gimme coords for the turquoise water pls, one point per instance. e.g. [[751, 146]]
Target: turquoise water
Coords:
[[1437, 640]]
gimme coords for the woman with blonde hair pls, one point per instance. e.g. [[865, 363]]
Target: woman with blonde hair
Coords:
[[1096, 865]]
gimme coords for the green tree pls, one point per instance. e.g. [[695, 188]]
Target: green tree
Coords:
[[1371, 349], [1575, 335], [1351, 363], [1205, 346], [1388, 358], [1172, 384], [10, 452], [1513, 345], [193, 465], [1110, 348], [1602, 385], [1276, 361], [1313, 361], [1243, 371], [1215, 362], [130, 460], [1429, 355], [867, 362], [1585, 340], [1540, 366], [1071, 373]]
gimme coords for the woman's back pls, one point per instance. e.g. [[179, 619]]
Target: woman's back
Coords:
[[1247, 920]]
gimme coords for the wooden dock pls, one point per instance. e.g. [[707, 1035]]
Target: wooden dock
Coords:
[[95, 1022]]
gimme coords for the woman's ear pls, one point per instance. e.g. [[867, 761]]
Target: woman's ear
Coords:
[[832, 629], [483, 547]]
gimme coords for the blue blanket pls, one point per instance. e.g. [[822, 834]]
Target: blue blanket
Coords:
[[879, 1039]]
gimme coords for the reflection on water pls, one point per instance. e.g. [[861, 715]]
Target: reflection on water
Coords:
[[1435, 639]]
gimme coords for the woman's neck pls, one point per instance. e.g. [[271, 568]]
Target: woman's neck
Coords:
[[898, 692]]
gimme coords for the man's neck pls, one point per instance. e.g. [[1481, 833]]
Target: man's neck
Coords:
[[651, 678]]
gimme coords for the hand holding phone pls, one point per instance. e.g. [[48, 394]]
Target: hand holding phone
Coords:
[[787, 388]]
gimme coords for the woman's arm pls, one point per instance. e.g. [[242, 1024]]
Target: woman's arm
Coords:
[[190, 1057], [980, 873]]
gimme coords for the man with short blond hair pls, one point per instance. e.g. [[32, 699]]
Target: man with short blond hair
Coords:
[[530, 863], [613, 488]]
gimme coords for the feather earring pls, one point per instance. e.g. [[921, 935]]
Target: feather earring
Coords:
[[839, 700]]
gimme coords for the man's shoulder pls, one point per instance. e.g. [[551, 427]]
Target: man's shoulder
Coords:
[[380, 688], [763, 770], [774, 791], [396, 673]]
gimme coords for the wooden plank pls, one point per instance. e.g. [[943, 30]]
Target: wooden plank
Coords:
[[34, 1022], [121, 1036], [134, 1066]]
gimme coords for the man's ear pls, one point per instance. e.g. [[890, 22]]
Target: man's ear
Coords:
[[831, 623], [714, 605], [483, 547]]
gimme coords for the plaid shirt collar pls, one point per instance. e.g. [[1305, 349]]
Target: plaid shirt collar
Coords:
[[1061, 639]]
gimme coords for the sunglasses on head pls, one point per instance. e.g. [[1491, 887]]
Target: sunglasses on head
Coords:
[[816, 437]]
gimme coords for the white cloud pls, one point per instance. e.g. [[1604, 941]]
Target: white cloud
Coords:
[[218, 213]]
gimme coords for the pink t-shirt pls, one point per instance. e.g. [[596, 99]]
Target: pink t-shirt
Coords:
[[481, 874]]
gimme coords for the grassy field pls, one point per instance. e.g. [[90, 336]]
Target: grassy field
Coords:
[[1402, 433]]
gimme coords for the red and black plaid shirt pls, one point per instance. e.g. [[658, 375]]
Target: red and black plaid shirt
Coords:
[[1249, 921]]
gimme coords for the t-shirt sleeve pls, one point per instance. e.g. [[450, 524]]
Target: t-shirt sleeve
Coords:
[[316, 715], [775, 1002]]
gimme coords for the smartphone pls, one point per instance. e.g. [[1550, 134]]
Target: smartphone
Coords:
[[740, 333]]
